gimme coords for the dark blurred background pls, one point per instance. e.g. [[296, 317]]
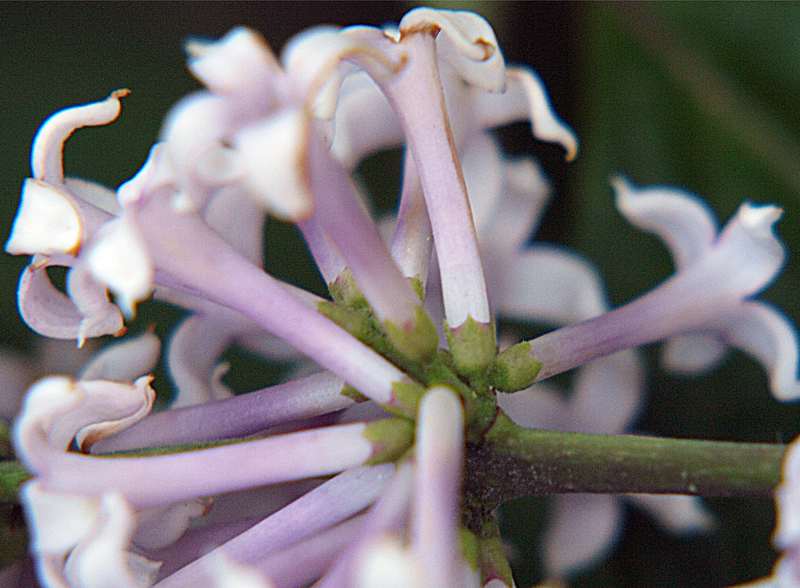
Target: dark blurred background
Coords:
[[697, 95]]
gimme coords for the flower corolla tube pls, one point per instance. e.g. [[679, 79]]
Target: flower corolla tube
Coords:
[[360, 469]]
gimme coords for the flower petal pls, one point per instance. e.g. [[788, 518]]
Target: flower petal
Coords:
[[681, 220], [763, 332], [464, 40], [47, 221], [57, 521], [124, 361], [58, 410], [541, 406], [48, 145], [119, 259], [102, 559], [551, 285], [239, 63], [692, 353], [274, 156], [526, 98], [525, 194], [676, 513], [195, 350], [607, 394], [49, 312], [582, 529], [159, 527], [91, 300], [364, 123], [385, 563]]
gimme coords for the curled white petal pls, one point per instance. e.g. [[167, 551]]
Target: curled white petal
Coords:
[[159, 527], [763, 332], [49, 312], [749, 240], [239, 62], [91, 300], [119, 259], [47, 221], [681, 220], [525, 98], [316, 61], [465, 40], [58, 410], [275, 160], [195, 350], [124, 361], [57, 521], [102, 559], [48, 146], [193, 133]]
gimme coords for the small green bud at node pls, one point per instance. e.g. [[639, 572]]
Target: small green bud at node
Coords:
[[514, 369], [390, 438], [345, 290], [473, 346], [416, 342], [406, 395], [352, 321]]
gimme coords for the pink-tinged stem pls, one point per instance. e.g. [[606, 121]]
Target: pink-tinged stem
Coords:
[[168, 478], [437, 483], [325, 506], [202, 263], [389, 514], [417, 95], [347, 223], [238, 416], [412, 240]]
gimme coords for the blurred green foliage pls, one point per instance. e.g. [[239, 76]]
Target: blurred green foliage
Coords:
[[696, 95]]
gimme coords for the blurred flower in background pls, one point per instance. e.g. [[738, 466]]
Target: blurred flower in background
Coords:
[[698, 96]]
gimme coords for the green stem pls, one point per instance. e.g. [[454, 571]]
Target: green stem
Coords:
[[512, 462]]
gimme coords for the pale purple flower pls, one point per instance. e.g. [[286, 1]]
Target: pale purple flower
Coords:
[[241, 501]]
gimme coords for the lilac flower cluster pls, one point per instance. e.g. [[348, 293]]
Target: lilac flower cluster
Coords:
[[352, 475]]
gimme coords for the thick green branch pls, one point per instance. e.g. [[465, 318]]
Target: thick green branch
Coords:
[[512, 462]]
